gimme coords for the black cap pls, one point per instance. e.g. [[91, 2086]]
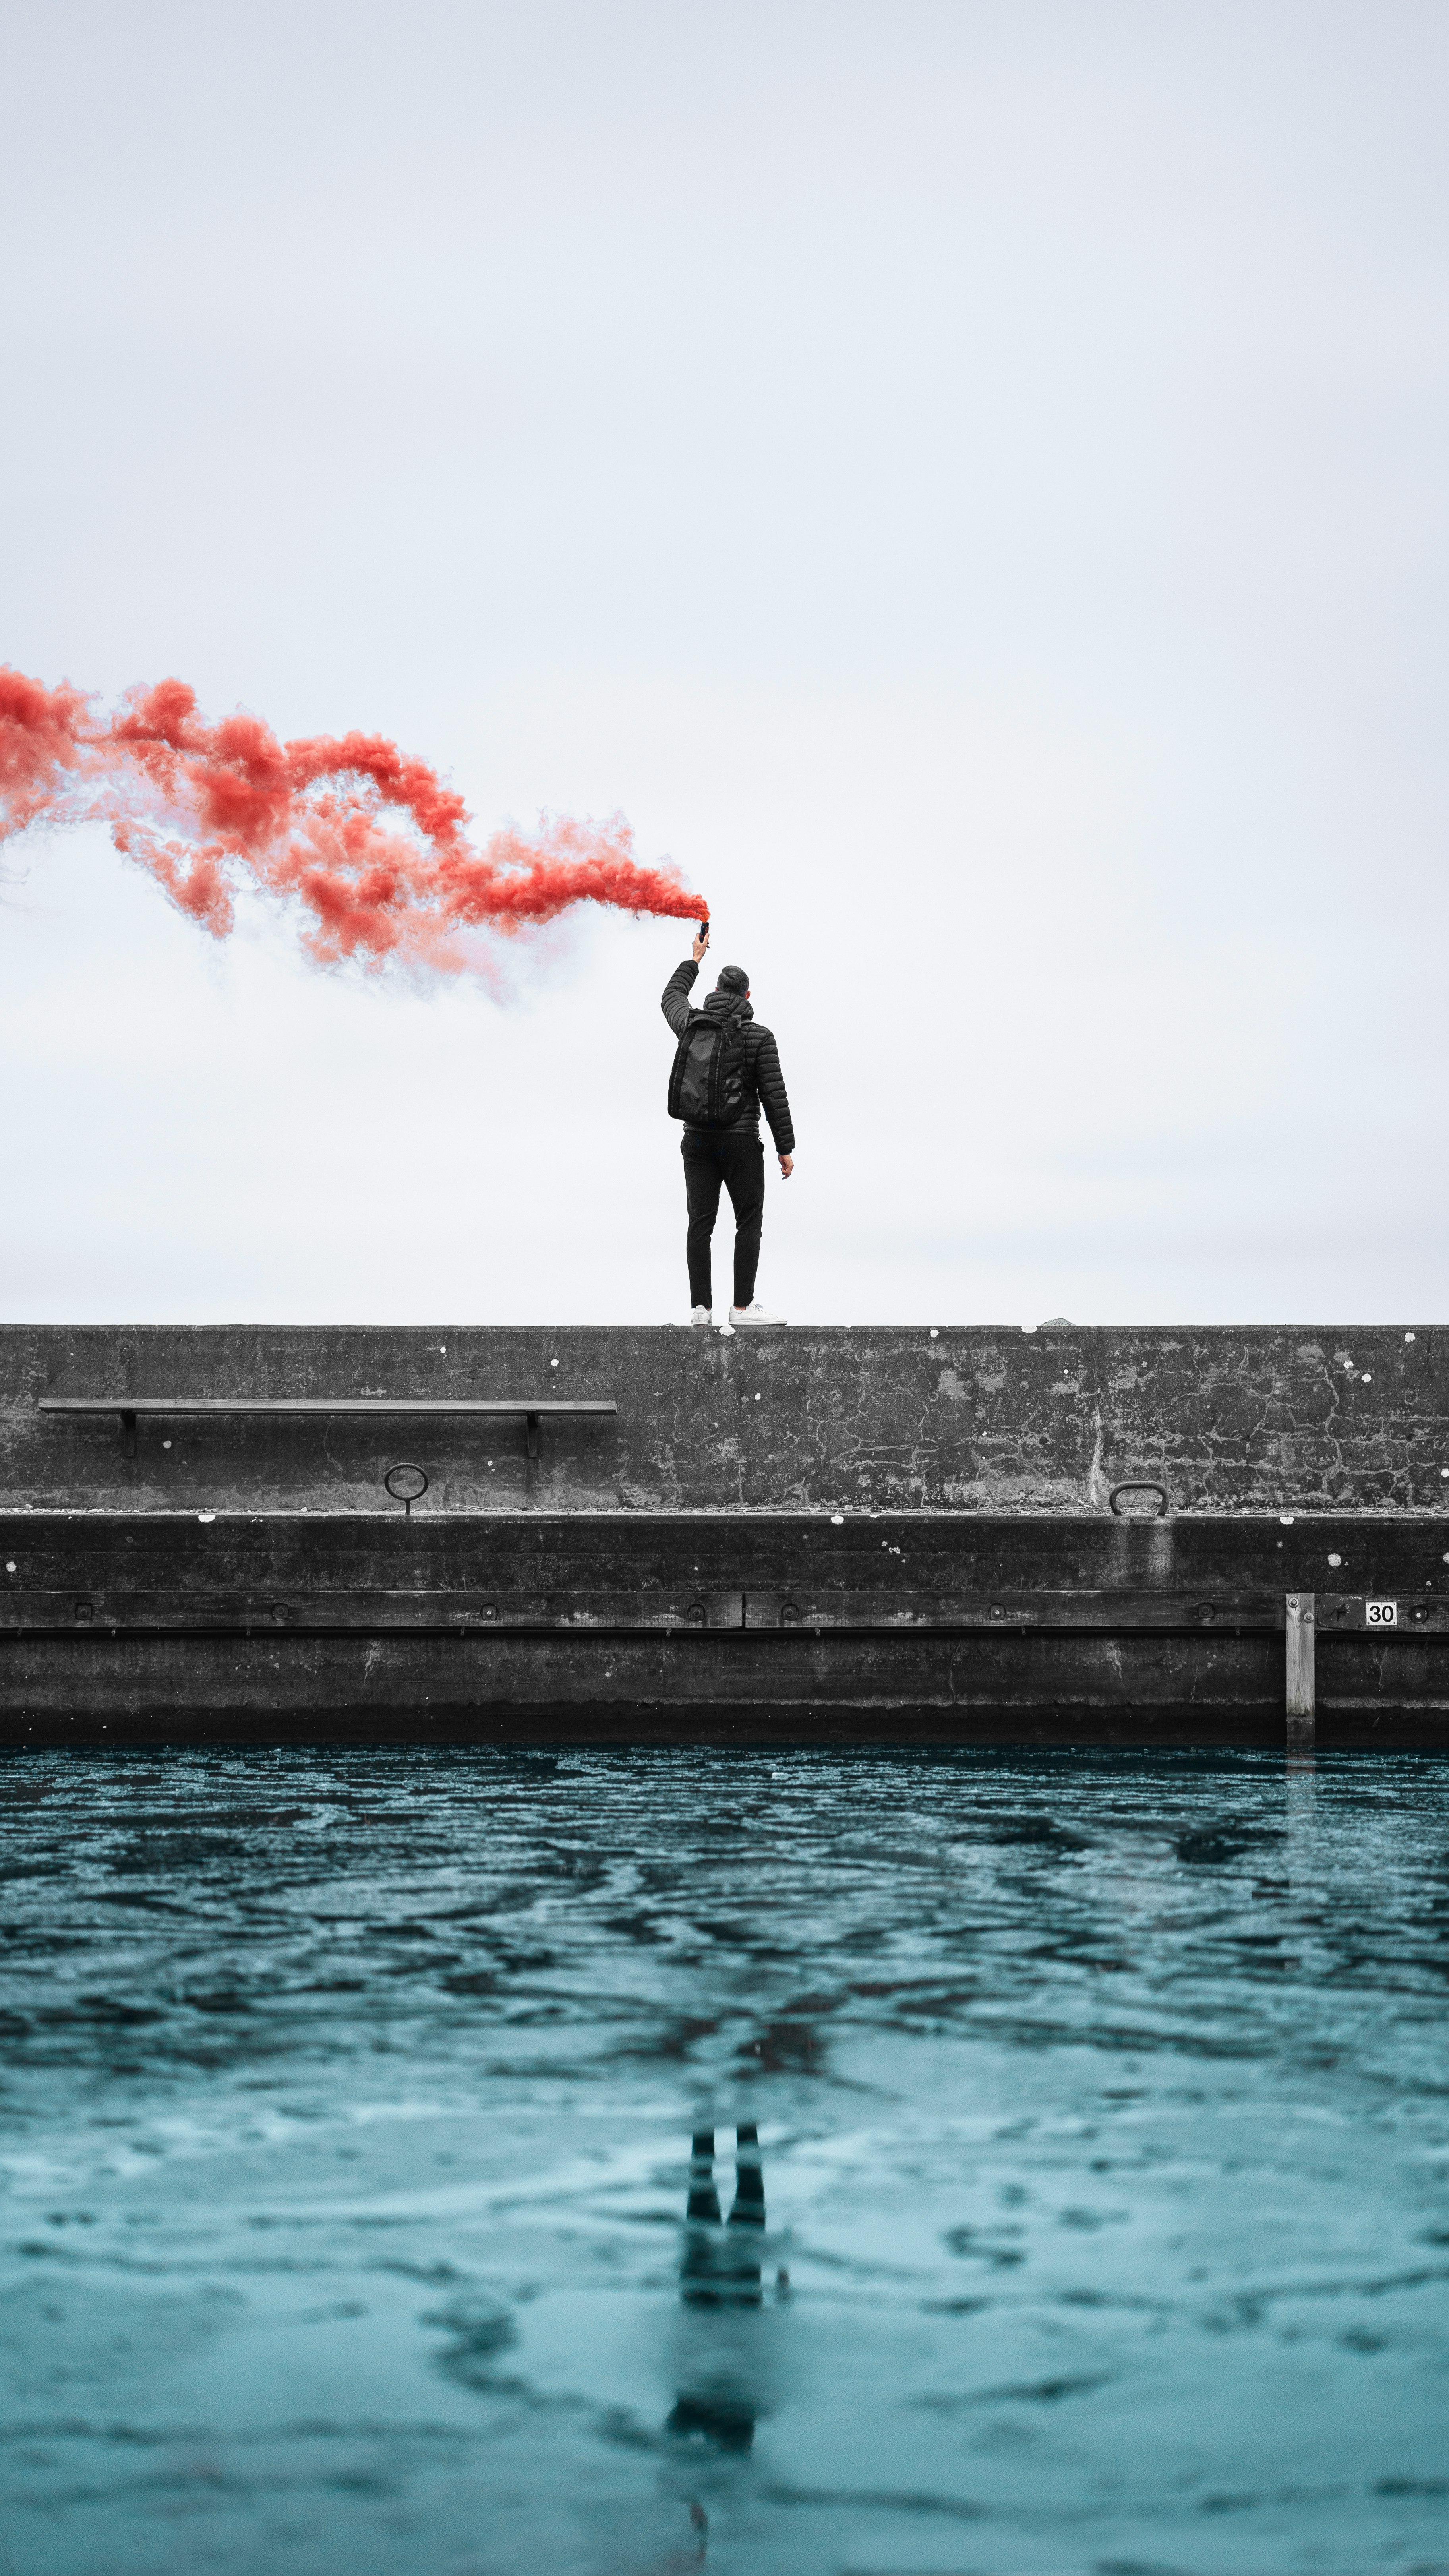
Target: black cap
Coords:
[[732, 979]]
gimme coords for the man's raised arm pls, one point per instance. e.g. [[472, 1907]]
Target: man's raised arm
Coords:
[[674, 1001]]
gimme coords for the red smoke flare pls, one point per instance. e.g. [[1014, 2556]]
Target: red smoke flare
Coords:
[[370, 842]]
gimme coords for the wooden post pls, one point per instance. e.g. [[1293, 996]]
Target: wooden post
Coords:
[[1299, 1672]]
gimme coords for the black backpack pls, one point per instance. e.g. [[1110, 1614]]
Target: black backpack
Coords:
[[707, 1084]]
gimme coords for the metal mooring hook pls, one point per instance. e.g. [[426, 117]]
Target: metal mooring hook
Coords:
[[1139, 1485], [407, 1485]]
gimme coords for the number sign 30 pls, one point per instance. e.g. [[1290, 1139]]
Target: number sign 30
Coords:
[[1381, 1614]]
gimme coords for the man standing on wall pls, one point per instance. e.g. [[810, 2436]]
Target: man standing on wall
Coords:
[[725, 1068]]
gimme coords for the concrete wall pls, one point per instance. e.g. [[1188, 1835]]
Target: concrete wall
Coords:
[[728, 1627], [979, 1418]]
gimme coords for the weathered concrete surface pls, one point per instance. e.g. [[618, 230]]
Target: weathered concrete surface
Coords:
[[660, 1690], [793, 1628], [799, 1535], [644, 1567], [980, 1418]]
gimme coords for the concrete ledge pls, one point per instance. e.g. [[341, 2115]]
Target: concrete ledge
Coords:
[[163, 1693], [611, 1627], [977, 1419], [812, 1535], [661, 1558]]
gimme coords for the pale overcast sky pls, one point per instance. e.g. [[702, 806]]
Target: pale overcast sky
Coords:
[[968, 481]]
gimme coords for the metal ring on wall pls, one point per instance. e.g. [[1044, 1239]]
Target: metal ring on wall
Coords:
[[410, 1488]]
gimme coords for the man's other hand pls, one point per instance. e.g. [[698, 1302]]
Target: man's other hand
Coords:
[[787, 1166], [701, 942]]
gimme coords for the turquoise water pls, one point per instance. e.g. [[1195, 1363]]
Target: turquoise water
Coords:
[[1103, 2135]]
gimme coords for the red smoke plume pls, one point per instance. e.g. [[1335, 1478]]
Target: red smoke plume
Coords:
[[371, 843]]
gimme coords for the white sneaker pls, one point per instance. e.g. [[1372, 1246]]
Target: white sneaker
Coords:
[[753, 1314], [701, 1315]]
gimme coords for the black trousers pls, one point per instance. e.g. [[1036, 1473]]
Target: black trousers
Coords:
[[738, 1160]]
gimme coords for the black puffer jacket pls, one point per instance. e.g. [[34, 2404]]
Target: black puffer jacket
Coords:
[[764, 1082]]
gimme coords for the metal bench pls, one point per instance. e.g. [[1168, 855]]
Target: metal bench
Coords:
[[527, 1408]]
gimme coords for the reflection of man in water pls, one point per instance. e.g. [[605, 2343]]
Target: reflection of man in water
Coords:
[[720, 2269]]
